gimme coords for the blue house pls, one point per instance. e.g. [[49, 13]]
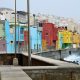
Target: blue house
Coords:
[[35, 39], [19, 38], [19, 33], [10, 37]]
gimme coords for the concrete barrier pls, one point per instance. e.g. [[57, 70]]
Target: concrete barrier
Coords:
[[53, 73], [59, 54]]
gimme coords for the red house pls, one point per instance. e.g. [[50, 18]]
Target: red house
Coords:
[[26, 37], [49, 34]]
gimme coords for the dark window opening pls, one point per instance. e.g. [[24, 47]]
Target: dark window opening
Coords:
[[6, 12], [66, 27], [40, 24], [21, 30], [11, 42], [46, 33]]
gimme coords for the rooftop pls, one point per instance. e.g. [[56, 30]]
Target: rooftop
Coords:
[[2, 9]]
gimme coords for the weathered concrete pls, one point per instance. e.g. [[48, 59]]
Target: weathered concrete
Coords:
[[40, 73], [7, 59], [53, 72], [55, 54], [12, 73], [50, 61]]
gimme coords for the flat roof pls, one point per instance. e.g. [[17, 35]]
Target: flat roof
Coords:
[[22, 12]]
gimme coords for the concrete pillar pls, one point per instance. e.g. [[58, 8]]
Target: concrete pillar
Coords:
[[15, 61]]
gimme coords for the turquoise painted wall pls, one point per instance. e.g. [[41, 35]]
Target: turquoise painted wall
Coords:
[[9, 38], [35, 38], [19, 33], [60, 40]]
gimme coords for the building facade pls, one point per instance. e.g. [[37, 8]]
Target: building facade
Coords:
[[35, 39], [49, 36], [2, 37]]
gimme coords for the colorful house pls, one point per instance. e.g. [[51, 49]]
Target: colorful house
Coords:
[[60, 38], [20, 38], [67, 39], [10, 37], [2, 33], [2, 37], [25, 40], [9, 33], [76, 40], [64, 38], [49, 36], [35, 39]]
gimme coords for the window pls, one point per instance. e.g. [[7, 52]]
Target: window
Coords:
[[21, 30], [54, 41], [46, 33], [11, 29], [6, 12], [66, 27], [40, 24], [11, 42]]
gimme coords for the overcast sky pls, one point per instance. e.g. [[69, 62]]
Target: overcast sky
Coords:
[[64, 8]]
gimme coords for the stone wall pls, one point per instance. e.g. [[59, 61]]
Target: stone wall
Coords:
[[53, 73], [7, 59], [59, 54], [34, 62]]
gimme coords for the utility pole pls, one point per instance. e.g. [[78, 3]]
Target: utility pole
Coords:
[[15, 28], [18, 33], [15, 60], [28, 17]]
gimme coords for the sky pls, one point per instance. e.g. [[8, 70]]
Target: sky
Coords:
[[63, 8]]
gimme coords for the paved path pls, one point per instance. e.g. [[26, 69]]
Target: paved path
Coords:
[[13, 73]]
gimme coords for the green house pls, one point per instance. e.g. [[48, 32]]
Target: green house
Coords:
[[2, 29]]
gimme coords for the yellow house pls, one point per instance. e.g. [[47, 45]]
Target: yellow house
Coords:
[[79, 38], [67, 36], [76, 38], [44, 45]]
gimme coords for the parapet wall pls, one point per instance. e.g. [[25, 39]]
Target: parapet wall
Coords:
[[53, 73]]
